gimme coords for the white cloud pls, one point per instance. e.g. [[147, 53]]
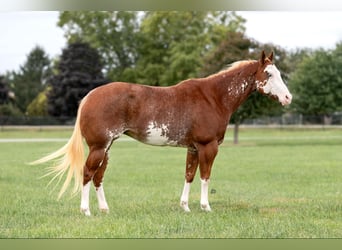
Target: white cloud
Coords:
[[22, 31], [295, 29]]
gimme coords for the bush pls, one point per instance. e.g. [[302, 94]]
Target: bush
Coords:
[[9, 110]]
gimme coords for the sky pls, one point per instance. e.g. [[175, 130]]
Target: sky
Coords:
[[22, 31]]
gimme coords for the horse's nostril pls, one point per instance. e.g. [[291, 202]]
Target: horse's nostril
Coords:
[[288, 98]]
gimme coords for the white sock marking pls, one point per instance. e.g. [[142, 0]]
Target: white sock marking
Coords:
[[204, 195], [185, 197], [102, 199], [85, 199]]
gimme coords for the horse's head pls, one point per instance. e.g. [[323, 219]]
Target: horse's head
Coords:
[[269, 81]]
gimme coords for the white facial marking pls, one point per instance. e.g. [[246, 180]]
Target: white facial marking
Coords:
[[158, 135], [274, 85]]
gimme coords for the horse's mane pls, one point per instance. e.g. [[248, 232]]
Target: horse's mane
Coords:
[[234, 66], [239, 64]]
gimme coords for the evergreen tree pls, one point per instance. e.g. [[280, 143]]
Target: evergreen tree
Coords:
[[79, 71], [7, 99], [5, 93], [29, 80]]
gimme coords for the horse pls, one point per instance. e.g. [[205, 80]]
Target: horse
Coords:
[[193, 114]]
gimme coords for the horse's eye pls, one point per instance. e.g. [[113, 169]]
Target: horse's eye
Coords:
[[268, 74]]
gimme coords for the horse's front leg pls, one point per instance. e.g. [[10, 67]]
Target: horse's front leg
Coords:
[[190, 171], [207, 154]]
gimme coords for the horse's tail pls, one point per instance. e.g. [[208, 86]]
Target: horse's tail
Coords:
[[71, 159]]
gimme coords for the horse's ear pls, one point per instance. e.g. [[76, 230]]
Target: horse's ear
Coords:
[[270, 57], [262, 58]]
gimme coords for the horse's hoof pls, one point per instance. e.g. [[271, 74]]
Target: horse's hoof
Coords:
[[104, 210], [85, 211], [205, 207], [185, 206]]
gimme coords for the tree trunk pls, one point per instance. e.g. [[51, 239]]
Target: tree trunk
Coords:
[[236, 133], [327, 119]]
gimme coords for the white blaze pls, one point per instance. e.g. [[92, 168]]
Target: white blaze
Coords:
[[275, 85]]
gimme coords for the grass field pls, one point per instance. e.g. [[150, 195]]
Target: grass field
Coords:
[[276, 183]]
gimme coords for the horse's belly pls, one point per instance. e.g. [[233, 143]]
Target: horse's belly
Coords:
[[159, 135]]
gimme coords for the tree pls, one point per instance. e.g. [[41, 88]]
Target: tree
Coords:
[[38, 107], [79, 71], [317, 83], [114, 34], [4, 91], [236, 46], [295, 57], [337, 62], [173, 44], [7, 98], [29, 80], [155, 48]]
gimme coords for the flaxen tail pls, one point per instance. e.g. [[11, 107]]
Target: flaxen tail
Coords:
[[70, 159]]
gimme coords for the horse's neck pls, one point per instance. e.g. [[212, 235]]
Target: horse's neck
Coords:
[[234, 89]]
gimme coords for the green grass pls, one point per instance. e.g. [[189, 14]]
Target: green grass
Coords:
[[276, 183]]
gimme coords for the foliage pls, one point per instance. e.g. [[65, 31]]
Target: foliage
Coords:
[[9, 109], [174, 43], [161, 50], [296, 56], [7, 98], [38, 107], [114, 34], [155, 48], [4, 91], [317, 83], [234, 47], [79, 71], [29, 80]]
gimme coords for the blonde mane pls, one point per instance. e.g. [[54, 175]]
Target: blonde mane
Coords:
[[234, 66]]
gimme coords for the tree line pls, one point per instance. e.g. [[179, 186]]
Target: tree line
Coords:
[[162, 48]]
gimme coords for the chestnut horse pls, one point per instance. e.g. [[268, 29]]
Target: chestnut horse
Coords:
[[192, 114]]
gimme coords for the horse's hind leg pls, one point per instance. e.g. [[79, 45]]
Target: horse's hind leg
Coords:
[[94, 161], [98, 183]]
